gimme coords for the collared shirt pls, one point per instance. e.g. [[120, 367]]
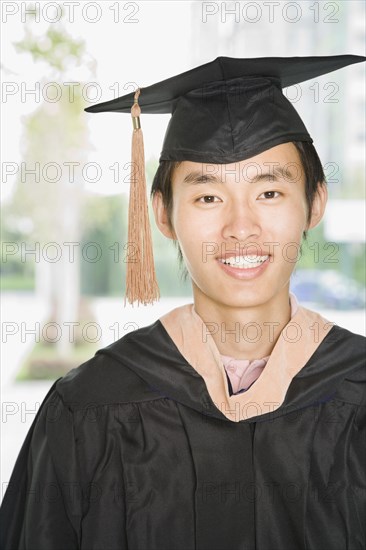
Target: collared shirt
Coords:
[[242, 373]]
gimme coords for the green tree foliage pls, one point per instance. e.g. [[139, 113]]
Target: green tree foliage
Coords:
[[56, 47]]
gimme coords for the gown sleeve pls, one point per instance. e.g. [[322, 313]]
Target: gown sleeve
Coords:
[[42, 507]]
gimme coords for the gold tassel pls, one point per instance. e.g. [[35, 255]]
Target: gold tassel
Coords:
[[141, 283]]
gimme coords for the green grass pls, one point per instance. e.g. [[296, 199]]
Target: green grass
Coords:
[[44, 362], [17, 282]]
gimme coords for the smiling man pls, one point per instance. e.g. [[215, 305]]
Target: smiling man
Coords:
[[236, 422], [254, 213]]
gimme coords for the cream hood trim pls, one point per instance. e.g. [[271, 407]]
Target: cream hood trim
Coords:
[[297, 342]]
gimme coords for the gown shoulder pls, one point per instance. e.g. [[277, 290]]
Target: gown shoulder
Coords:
[[106, 379], [340, 362]]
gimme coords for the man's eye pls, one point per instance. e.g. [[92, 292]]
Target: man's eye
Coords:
[[207, 199], [270, 194]]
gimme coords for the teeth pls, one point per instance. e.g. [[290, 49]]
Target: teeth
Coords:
[[244, 262]]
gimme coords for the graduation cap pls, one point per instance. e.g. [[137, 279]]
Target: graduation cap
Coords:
[[224, 111]]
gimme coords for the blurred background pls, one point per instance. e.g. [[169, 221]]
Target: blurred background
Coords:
[[65, 173]]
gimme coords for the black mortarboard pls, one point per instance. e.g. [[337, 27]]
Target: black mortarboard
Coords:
[[224, 111]]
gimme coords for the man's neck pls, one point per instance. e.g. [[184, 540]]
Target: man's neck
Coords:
[[244, 332]]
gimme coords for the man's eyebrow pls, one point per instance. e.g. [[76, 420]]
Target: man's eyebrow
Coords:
[[197, 177], [274, 174]]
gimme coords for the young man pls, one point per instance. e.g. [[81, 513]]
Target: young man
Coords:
[[235, 422], [239, 230]]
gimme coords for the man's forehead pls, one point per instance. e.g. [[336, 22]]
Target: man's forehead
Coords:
[[275, 164]]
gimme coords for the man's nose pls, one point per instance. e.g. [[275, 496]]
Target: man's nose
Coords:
[[241, 222]]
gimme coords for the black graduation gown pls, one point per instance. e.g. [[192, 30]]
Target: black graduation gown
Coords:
[[129, 451]]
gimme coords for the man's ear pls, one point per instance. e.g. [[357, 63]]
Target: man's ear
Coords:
[[161, 216], [319, 204]]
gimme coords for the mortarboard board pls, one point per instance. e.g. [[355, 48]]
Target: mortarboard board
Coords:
[[224, 111]]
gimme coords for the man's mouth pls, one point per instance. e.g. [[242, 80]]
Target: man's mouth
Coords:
[[244, 262]]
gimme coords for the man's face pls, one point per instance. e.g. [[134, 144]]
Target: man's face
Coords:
[[241, 214]]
